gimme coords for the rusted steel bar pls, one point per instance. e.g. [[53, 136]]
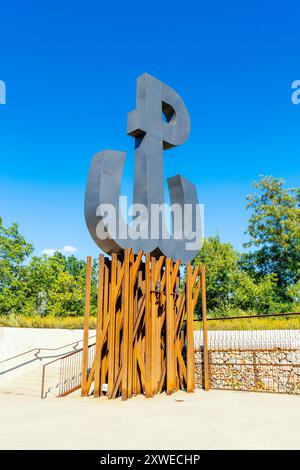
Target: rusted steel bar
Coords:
[[169, 331], [205, 332], [148, 390], [135, 266], [190, 376], [84, 391], [154, 328], [71, 390], [111, 335], [124, 373], [99, 326], [141, 332]]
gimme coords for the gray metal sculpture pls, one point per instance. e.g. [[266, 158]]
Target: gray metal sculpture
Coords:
[[159, 122]]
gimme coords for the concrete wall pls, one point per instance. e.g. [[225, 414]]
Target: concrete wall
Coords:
[[14, 341], [17, 340]]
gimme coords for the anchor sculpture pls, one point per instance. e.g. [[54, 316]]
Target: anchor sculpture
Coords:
[[159, 122]]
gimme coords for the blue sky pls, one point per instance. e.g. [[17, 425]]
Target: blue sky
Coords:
[[70, 68]]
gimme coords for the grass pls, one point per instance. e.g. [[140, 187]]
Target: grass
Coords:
[[269, 323], [261, 323], [20, 321]]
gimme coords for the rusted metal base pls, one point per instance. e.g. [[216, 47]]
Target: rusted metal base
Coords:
[[145, 332]]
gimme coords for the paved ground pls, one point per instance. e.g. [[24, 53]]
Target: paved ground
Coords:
[[213, 420]]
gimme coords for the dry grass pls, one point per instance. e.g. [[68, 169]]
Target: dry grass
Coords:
[[260, 323], [257, 323], [45, 322]]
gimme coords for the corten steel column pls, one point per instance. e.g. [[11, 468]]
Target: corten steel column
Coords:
[[170, 340], [126, 314], [99, 326], [148, 390], [190, 385], [132, 281], [85, 349], [205, 333], [154, 328], [112, 325], [104, 359]]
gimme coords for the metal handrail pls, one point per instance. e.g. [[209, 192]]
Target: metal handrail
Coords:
[[239, 317], [45, 349], [254, 316], [59, 359]]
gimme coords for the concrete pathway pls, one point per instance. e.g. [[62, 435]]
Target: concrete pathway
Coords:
[[213, 420]]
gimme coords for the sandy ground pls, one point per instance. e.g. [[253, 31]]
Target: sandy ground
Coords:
[[211, 420]]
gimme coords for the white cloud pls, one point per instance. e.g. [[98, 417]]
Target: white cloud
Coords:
[[66, 250], [49, 251]]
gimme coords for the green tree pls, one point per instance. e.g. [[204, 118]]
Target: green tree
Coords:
[[60, 281], [221, 262], [14, 250], [258, 296], [228, 286], [274, 230], [294, 292], [66, 296]]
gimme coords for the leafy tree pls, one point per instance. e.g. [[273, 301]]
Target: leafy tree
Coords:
[[60, 280], [221, 262], [294, 292], [74, 266], [66, 296], [274, 230], [253, 295], [228, 286], [14, 250]]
